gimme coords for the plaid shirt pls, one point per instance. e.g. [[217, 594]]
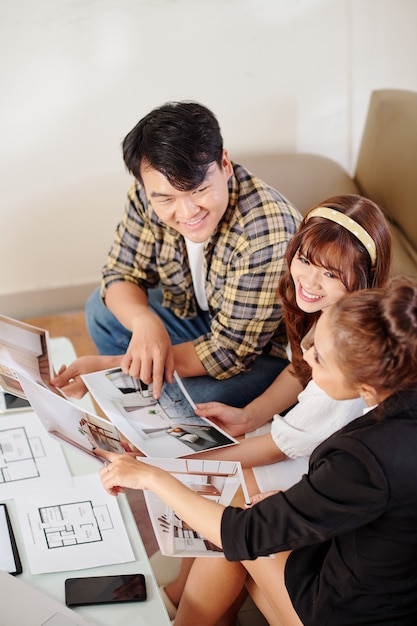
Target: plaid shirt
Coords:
[[244, 260]]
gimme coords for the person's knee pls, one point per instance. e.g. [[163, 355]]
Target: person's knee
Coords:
[[94, 315], [92, 305], [108, 334]]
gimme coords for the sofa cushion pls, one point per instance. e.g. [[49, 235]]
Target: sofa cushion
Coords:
[[386, 169], [305, 179]]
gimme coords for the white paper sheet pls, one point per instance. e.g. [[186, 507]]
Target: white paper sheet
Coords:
[[28, 456], [72, 528]]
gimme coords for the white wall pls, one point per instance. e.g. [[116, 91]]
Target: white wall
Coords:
[[76, 75]]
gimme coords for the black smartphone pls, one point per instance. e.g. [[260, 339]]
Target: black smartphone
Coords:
[[8, 402], [9, 556], [105, 589]]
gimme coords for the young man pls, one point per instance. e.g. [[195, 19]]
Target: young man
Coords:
[[190, 280]]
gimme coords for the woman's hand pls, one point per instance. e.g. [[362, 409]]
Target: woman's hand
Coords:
[[69, 378], [234, 421], [124, 471], [261, 496]]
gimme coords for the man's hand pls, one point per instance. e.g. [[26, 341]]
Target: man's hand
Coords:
[[149, 355]]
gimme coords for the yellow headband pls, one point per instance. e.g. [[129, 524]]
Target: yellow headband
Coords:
[[350, 225]]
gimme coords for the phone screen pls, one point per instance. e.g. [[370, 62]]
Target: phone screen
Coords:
[[105, 589], [8, 402]]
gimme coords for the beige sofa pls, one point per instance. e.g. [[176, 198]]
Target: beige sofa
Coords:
[[386, 171]]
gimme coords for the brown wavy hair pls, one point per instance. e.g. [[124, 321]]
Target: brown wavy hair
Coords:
[[327, 244], [375, 335]]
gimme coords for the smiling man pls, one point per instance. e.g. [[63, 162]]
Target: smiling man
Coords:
[[190, 280]]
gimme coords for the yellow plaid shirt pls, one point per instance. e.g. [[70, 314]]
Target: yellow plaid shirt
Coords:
[[244, 260]]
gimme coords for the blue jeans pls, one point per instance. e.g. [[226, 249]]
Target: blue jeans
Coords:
[[111, 337]]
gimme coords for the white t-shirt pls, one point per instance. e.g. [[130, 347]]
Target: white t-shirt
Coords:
[[195, 253], [313, 419], [300, 431]]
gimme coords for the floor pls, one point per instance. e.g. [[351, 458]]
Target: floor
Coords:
[[72, 325]]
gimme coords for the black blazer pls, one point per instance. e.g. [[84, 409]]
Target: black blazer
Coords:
[[351, 523]]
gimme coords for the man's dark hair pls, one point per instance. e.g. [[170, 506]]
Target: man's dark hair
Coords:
[[178, 139]]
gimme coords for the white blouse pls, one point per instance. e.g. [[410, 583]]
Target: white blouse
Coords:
[[313, 419]]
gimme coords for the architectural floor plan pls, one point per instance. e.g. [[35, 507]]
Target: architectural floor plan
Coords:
[[74, 523], [28, 455]]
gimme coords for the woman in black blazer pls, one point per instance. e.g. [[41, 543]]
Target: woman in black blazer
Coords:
[[351, 522]]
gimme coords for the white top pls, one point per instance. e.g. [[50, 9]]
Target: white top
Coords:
[[300, 431], [195, 253], [312, 420]]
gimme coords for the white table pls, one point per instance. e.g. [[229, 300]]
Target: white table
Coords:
[[152, 612], [148, 613]]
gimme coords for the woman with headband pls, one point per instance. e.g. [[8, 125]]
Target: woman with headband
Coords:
[[351, 522], [343, 245]]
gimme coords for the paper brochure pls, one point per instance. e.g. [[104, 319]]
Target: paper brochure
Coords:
[[220, 481], [167, 428], [69, 423], [24, 348]]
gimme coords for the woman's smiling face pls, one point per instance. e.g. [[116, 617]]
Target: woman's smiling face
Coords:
[[316, 288], [325, 368]]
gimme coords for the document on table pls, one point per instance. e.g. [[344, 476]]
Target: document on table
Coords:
[[28, 456], [71, 528]]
